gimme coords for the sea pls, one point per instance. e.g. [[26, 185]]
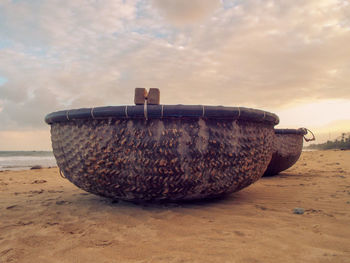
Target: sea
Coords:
[[24, 160]]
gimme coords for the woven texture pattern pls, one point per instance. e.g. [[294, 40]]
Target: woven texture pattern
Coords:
[[288, 148], [172, 159]]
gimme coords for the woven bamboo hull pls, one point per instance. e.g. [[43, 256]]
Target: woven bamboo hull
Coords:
[[288, 148], [162, 159]]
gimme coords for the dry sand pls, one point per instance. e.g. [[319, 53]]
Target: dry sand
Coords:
[[45, 218]]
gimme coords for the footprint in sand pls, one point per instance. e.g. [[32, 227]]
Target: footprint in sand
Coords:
[[5, 252], [261, 207], [37, 191], [31, 193], [48, 224], [37, 240], [239, 233], [62, 202], [72, 229], [39, 182], [23, 223], [54, 191], [11, 255], [103, 243], [318, 211]]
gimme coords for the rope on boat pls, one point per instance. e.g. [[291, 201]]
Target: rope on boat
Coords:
[[306, 132], [92, 113], [145, 110], [126, 112], [62, 174], [162, 112]]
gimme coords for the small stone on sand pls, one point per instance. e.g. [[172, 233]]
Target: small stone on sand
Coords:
[[36, 167], [298, 211]]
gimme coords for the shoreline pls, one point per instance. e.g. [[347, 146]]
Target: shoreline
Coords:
[[25, 160], [43, 216], [25, 168]]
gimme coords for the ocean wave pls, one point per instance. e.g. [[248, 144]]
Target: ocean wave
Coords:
[[20, 160]]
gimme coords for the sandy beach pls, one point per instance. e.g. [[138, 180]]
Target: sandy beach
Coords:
[[45, 218]]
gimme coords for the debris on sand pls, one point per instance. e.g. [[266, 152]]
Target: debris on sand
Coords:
[[298, 211], [36, 167]]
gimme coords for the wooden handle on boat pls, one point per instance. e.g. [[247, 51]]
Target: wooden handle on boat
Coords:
[[152, 96]]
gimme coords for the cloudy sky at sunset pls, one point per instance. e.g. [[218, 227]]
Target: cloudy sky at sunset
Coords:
[[288, 57]]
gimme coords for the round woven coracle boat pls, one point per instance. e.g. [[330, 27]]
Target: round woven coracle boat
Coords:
[[288, 144], [162, 152]]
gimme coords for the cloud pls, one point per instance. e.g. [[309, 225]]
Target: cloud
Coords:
[[186, 12], [265, 54], [62, 22]]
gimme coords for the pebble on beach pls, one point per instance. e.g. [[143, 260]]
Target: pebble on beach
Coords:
[[298, 211], [36, 167]]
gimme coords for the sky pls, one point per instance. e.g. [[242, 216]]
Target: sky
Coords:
[[287, 57]]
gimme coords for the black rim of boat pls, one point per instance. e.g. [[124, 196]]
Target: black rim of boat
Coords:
[[163, 112], [300, 131]]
